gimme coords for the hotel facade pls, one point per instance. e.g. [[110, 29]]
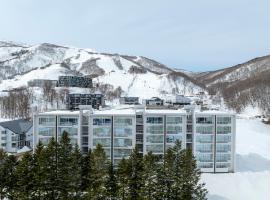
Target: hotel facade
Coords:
[[210, 134]]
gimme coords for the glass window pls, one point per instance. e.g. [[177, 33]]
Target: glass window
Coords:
[[3, 138], [204, 138], [46, 121], [102, 132], [223, 148], [122, 132], [157, 148], [121, 142], [204, 120], [121, 152], [71, 131], [223, 129], [223, 120], [174, 129], [68, 121], [223, 157], [204, 148], [202, 157], [105, 142], [173, 138], [14, 138], [204, 129], [46, 131], [122, 121], [223, 138], [174, 120], [222, 165], [154, 120], [205, 165], [102, 121], [154, 138], [154, 129]]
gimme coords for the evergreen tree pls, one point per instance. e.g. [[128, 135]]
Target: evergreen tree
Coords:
[[49, 179], [64, 169], [25, 178], [39, 162], [76, 167], [96, 187], [149, 177], [3, 174], [110, 182], [122, 179], [135, 171], [10, 178], [190, 176], [86, 170]]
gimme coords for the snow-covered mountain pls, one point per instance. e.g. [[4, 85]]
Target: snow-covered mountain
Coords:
[[136, 75]]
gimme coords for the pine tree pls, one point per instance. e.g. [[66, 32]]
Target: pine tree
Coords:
[[25, 178], [149, 177], [96, 188], [135, 171], [39, 171], [110, 182], [86, 170], [3, 174], [10, 178], [64, 169], [76, 178], [49, 179], [190, 175], [122, 179]]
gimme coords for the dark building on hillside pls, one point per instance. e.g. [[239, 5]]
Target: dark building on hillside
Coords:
[[154, 101], [95, 100], [41, 83], [129, 100], [74, 81]]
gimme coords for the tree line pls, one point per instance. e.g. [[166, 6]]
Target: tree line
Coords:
[[60, 171]]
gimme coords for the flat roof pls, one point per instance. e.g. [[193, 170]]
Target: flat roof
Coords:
[[165, 111]]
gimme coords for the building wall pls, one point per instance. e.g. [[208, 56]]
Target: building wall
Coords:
[[8, 140], [210, 136]]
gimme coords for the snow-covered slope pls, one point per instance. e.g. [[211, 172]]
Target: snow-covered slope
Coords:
[[136, 75]]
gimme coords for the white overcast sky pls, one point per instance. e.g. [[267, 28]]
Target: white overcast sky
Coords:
[[194, 35]]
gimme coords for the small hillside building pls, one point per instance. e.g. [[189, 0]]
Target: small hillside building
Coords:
[[16, 134]]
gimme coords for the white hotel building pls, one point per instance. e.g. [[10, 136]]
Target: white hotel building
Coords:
[[210, 134]]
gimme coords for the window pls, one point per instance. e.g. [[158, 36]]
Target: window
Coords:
[[223, 157], [204, 129], [205, 165], [46, 131], [154, 138], [223, 148], [173, 138], [121, 152], [223, 138], [3, 138], [85, 120], [14, 145], [154, 129], [222, 165], [223, 129], [105, 142], [47, 121], [122, 132], [154, 120], [68, 121], [122, 121], [84, 140], [14, 138], [204, 148], [122, 142], [102, 121], [69, 130], [223, 120], [3, 144], [204, 120], [174, 129], [44, 141], [3, 132], [102, 132], [174, 120], [157, 148], [204, 157], [204, 138]]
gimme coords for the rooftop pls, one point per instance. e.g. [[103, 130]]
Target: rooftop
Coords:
[[17, 126]]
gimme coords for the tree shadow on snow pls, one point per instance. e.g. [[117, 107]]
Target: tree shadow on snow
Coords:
[[252, 162], [216, 197]]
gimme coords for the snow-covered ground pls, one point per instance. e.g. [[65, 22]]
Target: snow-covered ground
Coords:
[[252, 178]]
